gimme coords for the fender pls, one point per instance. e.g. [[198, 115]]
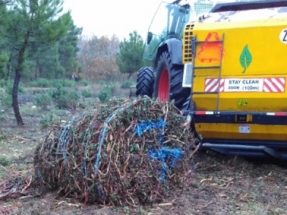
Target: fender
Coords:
[[174, 48]]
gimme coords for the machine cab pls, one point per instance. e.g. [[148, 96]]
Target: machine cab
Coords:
[[168, 22]]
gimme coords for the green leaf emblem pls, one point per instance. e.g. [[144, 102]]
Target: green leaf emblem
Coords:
[[245, 58]]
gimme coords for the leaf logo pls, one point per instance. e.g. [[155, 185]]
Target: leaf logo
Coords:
[[245, 58]]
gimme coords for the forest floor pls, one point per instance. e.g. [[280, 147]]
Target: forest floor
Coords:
[[218, 184]]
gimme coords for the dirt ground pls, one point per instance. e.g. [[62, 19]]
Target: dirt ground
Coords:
[[218, 184]]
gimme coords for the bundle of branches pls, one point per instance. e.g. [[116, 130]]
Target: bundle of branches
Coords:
[[123, 153]]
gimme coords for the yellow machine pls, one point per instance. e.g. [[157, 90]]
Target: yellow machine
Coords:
[[236, 58], [226, 70]]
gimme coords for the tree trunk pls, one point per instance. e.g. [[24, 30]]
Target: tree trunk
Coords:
[[130, 74], [15, 98], [9, 67], [36, 75], [18, 72], [38, 70]]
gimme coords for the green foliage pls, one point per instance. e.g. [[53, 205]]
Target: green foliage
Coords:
[[2, 83], [47, 121], [3, 65], [47, 62], [9, 87], [127, 84], [3, 137], [4, 55], [34, 27], [4, 161], [84, 82], [43, 100], [62, 83], [86, 94], [64, 98], [59, 59], [28, 72], [41, 82], [101, 82], [82, 105], [7, 100], [68, 48], [2, 118], [57, 84], [129, 59], [106, 93], [65, 83], [112, 88]]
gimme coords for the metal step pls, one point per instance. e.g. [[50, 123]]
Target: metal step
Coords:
[[207, 67]]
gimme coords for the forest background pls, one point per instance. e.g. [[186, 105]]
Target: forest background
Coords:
[[40, 46]]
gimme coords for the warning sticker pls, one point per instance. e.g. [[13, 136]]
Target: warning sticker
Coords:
[[241, 85], [267, 85]]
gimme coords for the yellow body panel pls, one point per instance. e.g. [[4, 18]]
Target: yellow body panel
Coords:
[[268, 61], [252, 50], [262, 38], [245, 101]]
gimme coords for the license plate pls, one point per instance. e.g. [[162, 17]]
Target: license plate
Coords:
[[244, 129]]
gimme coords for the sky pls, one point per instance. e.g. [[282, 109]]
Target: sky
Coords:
[[108, 17], [119, 17]]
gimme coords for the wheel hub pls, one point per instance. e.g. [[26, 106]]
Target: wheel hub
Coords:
[[163, 86]]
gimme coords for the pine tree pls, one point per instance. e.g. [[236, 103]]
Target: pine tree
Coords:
[[68, 49], [33, 23], [129, 59], [3, 41]]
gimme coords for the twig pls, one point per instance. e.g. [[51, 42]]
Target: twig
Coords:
[[206, 205], [5, 195], [206, 179], [2, 167], [68, 204], [165, 204], [28, 184], [194, 151]]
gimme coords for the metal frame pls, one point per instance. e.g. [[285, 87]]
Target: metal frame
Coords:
[[194, 42], [246, 148]]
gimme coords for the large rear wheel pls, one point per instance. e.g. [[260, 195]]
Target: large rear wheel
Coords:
[[168, 81], [145, 82], [186, 106]]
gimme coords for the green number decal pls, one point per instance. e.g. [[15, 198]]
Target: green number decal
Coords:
[[242, 102]]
